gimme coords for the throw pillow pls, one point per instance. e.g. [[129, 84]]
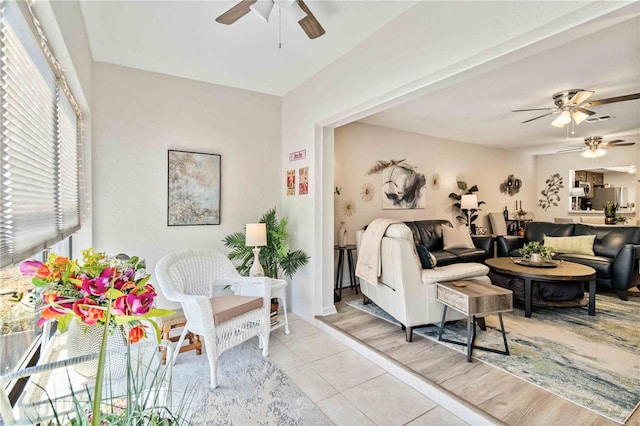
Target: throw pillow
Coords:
[[580, 244], [456, 238], [427, 259]]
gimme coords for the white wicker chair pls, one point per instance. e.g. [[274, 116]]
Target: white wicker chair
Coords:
[[191, 277]]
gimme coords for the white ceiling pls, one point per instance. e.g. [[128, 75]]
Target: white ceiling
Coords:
[[478, 110], [181, 38]]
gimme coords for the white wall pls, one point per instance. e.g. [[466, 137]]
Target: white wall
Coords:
[[359, 146], [137, 117], [562, 163], [418, 50]]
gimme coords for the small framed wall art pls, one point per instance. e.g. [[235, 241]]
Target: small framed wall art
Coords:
[[303, 174], [291, 182], [193, 188]]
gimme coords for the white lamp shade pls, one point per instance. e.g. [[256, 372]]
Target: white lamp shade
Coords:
[[576, 192], [469, 201], [262, 9], [563, 119], [256, 235], [579, 116], [296, 13], [594, 153]]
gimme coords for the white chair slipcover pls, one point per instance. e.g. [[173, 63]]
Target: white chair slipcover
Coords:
[[191, 277]]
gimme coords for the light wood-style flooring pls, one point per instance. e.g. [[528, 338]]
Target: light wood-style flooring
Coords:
[[500, 394]]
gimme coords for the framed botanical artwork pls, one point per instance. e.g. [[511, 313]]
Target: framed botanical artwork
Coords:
[[303, 174], [193, 188]]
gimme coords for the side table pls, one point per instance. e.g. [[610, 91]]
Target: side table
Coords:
[[349, 248], [279, 291], [472, 298]]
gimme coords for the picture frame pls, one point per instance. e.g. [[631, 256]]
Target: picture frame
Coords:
[[193, 188]]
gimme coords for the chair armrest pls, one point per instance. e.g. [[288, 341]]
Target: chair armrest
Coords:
[[252, 286], [484, 242], [507, 243], [623, 266]]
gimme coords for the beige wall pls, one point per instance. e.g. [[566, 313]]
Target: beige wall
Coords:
[[562, 163], [359, 146], [138, 117]]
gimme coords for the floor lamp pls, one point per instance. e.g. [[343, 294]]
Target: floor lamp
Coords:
[[256, 237], [469, 202]]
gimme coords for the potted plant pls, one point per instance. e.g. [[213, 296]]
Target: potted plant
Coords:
[[275, 257], [535, 252], [466, 214], [610, 209]]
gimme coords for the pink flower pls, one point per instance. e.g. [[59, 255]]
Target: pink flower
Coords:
[[87, 313], [94, 287], [132, 304]]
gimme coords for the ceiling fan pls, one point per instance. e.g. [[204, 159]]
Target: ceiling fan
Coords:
[[571, 105], [296, 9], [594, 146]]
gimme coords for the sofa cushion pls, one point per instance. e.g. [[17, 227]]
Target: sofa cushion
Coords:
[[427, 259], [444, 257], [610, 239], [431, 233], [602, 265], [468, 254], [535, 231], [580, 244], [453, 272], [456, 238]]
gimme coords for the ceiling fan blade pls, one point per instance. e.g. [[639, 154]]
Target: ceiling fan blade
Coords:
[[235, 13], [533, 109], [309, 23], [540, 116], [612, 145], [612, 100], [570, 150], [581, 96]]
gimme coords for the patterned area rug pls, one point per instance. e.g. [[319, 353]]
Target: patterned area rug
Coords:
[[251, 390], [591, 361]]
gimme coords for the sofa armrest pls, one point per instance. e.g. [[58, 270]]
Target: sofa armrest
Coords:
[[484, 242], [623, 267], [507, 243]]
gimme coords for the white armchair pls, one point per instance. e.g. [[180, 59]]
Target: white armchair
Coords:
[[190, 277]]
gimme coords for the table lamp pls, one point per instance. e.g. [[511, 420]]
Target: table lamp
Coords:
[[256, 236], [469, 202]]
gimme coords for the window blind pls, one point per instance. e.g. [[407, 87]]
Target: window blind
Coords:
[[39, 146]]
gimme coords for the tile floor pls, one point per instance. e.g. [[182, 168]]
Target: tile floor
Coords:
[[350, 389]]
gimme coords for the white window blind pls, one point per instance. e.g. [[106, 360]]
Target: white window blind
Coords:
[[39, 186]]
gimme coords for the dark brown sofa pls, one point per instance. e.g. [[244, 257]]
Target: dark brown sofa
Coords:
[[616, 250]]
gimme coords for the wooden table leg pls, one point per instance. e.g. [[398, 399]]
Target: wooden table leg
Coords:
[[527, 297], [592, 297]]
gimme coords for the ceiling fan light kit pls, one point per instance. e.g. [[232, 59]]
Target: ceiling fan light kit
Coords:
[[594, 153], [294, 9], [262, 9], [570, 105]]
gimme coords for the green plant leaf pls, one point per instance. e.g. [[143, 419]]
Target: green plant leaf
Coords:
[[462, 185]]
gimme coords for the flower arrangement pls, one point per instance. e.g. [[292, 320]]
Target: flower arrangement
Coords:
[[87, 290], [534, 247]]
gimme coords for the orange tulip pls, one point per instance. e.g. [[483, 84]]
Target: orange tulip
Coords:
[[137, 333]]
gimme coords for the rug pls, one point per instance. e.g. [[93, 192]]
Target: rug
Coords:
[[251, 391], [591, 361]]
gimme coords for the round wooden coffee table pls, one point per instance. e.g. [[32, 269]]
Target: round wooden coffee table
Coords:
[[565, 271]]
